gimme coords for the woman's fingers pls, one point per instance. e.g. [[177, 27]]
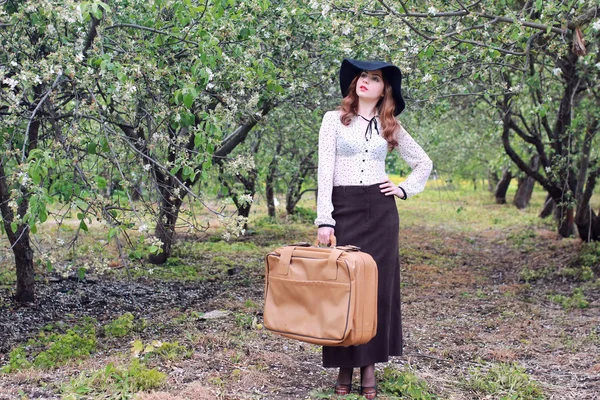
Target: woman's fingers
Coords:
[[323, 234], [387, 188]]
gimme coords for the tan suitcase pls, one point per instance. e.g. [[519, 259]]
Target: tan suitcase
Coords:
[[325, 296]]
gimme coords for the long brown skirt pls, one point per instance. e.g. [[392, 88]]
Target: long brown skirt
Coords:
[[367, 218]]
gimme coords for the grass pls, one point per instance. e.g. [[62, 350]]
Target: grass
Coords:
[[504, 381], [52, 349], [575, 300], [114, 382], [450, 222]]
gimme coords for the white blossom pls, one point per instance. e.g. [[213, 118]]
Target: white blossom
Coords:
[[147, 167], [79, 57], [325, 10], [426, 78], [24, 178], [596, 25], [10, 82], [432, 11], [556, 71], [246, 198], [143, 228], [346, 30], [598, 65]]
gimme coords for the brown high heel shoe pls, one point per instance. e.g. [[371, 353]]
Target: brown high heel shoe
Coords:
[[342, 389], [368, 392]]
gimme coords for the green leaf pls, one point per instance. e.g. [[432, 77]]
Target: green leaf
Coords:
[[101, 182], [91, 148], [112, 232], [188, 100], [14, 226], [83, 226], [43, 214]]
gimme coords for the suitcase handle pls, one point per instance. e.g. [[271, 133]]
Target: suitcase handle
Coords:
[[332, 241]]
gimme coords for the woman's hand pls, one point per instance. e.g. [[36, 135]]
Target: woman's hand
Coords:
[[324, 233], [389, 189]]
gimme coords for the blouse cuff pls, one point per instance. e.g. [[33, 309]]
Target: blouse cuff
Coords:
[[326, 226], [404, 197]]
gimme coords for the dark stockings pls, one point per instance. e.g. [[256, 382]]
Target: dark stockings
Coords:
[[367, 376]]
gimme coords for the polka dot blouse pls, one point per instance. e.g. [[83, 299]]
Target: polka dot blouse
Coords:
[[347, 158]]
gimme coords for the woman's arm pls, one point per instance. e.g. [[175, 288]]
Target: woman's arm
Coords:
[[418, 160], [327, 148]]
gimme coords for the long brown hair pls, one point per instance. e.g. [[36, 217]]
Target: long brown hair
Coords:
[[390, 127]]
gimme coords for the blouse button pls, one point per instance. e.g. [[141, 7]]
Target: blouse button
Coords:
[[366, 151]]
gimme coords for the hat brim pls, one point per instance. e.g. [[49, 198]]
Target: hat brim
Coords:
[[350, 68]]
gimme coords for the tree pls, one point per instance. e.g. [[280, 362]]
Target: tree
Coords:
[[513, 56]]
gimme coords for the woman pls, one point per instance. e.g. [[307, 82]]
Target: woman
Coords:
[[356, 200]]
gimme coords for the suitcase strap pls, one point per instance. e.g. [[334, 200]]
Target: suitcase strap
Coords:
[[285, 259]]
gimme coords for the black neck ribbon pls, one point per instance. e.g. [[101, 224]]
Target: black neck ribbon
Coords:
[[372, 123]]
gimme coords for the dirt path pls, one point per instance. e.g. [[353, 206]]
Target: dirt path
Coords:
[[466, 307]]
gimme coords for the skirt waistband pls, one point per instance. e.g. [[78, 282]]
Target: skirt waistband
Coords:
[[350, 189]]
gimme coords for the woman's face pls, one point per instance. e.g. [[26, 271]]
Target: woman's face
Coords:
[[370, 85]]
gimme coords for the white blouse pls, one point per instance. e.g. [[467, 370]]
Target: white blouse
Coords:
[[347, 158]]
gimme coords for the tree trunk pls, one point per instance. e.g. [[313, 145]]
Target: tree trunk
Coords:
[[269, 186], [165, 226], [565, 217], [24, 264], [548, 207], [525, 187], [502, 187], [492, 181], [270, 195]]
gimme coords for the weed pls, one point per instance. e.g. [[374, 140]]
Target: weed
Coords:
[[583, 273], [114, 382], [576, 300], [505, 382], [8, 276], [162, 350], [250, 304], [50, 350], [590, 255], [523, 240], [121, 326], [528, 275], [404, 384], [245, 321]]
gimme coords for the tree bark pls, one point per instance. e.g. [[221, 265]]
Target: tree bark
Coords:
[[566, 222], [492, 180], [270, 193], [270, 181], [525, 186], [548, 207], [502, 187], [19, 240], [165, 225]]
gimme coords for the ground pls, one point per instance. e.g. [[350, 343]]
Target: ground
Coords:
[[487, 313]]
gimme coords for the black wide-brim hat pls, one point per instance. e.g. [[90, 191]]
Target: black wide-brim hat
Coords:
[[350, 68]]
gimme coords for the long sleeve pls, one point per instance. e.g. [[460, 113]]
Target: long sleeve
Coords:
[[327, 149], [418, 160]]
